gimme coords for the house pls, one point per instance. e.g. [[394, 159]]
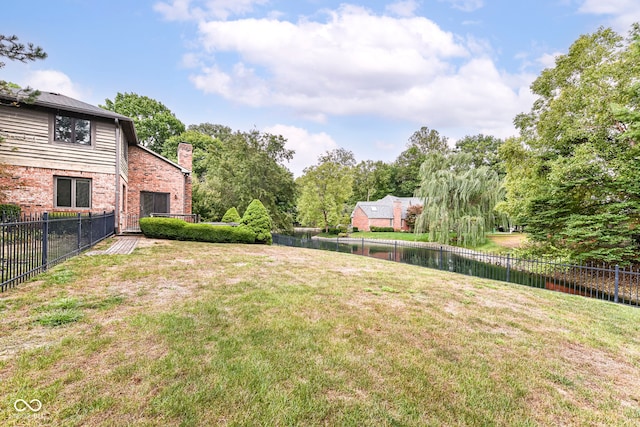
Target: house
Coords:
[[59, 154], [389, 211]]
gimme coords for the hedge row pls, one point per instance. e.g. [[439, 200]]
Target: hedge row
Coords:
[[373, 228], [177, 229]]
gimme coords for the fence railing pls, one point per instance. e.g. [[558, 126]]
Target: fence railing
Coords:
[[187, 217], [610, 283], [29, 245], [132, 221]]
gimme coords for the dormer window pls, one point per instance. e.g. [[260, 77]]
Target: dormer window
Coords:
[[72, 129]]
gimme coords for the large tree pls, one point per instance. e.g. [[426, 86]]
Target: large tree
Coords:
[[154, 122], [203, 145], [241, 167], [458, 198], [572, 173], [13, 50], [483, 150], [372, 180], [325, 188], [407, 166]]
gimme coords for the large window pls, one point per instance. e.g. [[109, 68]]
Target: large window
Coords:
[[72, 129], [73, 192], [153, 203]]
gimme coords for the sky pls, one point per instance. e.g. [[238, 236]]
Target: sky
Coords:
[[353, 74]]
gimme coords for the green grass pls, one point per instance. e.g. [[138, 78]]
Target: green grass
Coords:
[[59, 317], [487, 246], [253, 335]]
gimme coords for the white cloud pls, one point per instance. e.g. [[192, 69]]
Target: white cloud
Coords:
[[405, 9], [52, 81], [359, 63], [548, 60], [185, 10], [308, 147], [623, 13], [466, 5]]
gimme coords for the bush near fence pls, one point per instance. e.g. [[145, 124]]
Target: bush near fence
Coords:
[[177, 229], [9, 212]]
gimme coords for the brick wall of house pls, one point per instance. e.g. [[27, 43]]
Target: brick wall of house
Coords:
[[360, 220], [363, 223], [148, 172], [33, 189]]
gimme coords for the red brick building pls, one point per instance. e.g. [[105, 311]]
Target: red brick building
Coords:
[[157, 185], [59, 154], [389, 211]]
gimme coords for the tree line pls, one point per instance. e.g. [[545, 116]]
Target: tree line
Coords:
[[570, 178]]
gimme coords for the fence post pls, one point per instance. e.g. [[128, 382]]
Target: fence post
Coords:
[[45, 239], [508, 267], [337, 244], [363, 246], [90, 230], [617, 283], [79, 230], [440, 260], [395, 251]]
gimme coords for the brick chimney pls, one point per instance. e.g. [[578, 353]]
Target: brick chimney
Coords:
[[397, 215], [185, 155]]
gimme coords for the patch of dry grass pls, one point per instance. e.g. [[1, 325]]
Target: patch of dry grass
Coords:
[[182, 333]]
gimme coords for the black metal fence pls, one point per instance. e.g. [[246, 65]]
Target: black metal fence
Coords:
[[29, 245], [132, 221], [610, 283]]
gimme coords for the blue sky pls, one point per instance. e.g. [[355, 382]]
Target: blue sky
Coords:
[[362, 75]]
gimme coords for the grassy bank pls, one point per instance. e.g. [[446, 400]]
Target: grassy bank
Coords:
[[197, 334], [495, 242]]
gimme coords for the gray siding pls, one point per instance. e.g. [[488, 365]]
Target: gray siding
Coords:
[[124, 157], [27, 143]]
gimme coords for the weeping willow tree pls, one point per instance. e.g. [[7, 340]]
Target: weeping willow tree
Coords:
[[458, 198]]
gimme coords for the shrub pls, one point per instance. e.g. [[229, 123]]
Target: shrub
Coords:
[[231, 215], [177, 229], [375, 229], [9, 212], [162, 228], [337, 230], [257, 219], [354, 229], [218, 233]]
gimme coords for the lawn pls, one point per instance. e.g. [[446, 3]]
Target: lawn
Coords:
[[495, 243], [183, 333]]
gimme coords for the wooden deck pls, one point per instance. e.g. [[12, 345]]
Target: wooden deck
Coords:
[[123, 245]]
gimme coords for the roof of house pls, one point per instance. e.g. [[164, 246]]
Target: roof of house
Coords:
[[383, 208], [59, 102]]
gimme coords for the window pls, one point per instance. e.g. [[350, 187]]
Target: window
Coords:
[[72, 129], [73, 192], [153, 203]]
